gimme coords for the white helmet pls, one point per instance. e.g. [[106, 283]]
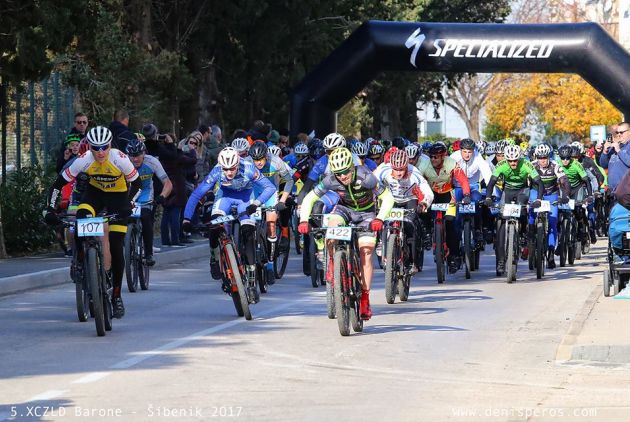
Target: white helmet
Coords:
[[275, 150], [300, 148], [579, 146], [99, 136], [512, 152], [228, 158], [240, 145], [542, 150], [412, 150], [481, 146], [334, 140], [489, 149], [359, 148]]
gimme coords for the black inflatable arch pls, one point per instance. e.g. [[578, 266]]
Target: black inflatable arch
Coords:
[[377, 46]]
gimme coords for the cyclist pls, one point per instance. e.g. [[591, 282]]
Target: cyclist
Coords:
[[516, 172], [274, 169], [237, 178], [440, 171], [147, 167], [597, 178], [241, 145], [109, 170], [376, 153], [476, 168], [555, 182], [360, 149], [410, 191], [356, 187], [578, 180]]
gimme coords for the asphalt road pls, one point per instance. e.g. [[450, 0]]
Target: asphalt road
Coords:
[[467, 349]]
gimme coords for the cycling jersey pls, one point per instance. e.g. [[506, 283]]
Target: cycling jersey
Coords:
[[517, 178], [321, 168], [150, 166], [591, 167], [412, 186], [575, 173], [369, 163], [553, 177], [109, 176], [475, 168], [440, 179], [241, 185]]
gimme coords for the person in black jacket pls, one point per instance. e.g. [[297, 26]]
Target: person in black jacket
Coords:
[[119, 127]]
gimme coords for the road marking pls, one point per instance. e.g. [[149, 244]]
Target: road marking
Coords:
[[142, 356], [47, 395], [94, 376]]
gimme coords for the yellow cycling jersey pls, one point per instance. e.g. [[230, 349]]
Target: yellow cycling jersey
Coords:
[[110, 176], [440, 180]]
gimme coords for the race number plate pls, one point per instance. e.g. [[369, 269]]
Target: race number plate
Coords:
[[339, 233], [467, 209], [439, 207], [257, 215], [569, 206], [222, 219], [545, 206], [135, 212], [511, 210], [628, 235], [494, 210], [90, 227], [396, 214]]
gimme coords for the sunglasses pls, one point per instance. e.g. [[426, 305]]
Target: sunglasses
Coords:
[[193, 143], [231, 168], [512, 161], [81, 122], [100, 148], [620, 132], [565, 159], [435, 157], [344, 172]]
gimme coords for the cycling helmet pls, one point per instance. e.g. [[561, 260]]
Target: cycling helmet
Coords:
[[565, 151], [240, 145], [412, 151], [575, 151], [135, 148], [99, 136], [579, 147], [386, 143], [140, 136], [340, 160], [500, 147], [334, 140], [399, 142], [258, 151], [524, 145], [316, 149], [275, 150], [300, 149], [456, 146], [481, 146], [467, 144], [228, 158], [490, 148], [542, 151], [438, 148], [72, 137], [376, 149], [399, 160], [426, 146], [512, 152], [360, 149]]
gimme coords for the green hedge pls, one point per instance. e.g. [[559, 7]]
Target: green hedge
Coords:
[[23, 200]]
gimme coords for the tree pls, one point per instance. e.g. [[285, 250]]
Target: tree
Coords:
[[3, 249]]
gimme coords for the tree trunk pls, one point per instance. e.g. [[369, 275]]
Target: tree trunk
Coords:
[[3, 249], [209, 97]]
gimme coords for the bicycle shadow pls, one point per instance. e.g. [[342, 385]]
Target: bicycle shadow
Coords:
[[382, 329]]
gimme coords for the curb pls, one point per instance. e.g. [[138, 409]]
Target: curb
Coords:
[[48, 278]]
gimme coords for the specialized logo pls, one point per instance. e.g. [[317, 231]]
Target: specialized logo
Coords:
[[496, 49], [415, 41]]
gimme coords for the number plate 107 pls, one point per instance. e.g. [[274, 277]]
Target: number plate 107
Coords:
[[339, 233], [90, 227]]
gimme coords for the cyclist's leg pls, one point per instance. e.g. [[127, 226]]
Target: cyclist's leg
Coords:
[[459, 194], [272, 217], [340, 217], [366, 243]]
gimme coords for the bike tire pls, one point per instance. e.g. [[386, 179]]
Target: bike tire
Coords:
[[541, 243], [130, 249], [510, 268], [330, 300], [342, 296], [108, 307], [355, 319], [571, 244], [145, 276], [93, 274], [563, 241], [439, 255], [83, 301], [467, 250], [312, 251], [391, 282], [261, 277], [420, 257], [404, 283], [240, 294], [282, 258], [142, 269], [477, 259]]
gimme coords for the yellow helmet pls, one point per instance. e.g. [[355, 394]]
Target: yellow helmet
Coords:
[[524, 145], [340, 160]]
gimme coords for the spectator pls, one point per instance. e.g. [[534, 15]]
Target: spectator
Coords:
[[213, 148], [283, 143], [121, 134], [616, 155], [274, 138], [80, 124], [160, 146], [259, 131], [238, 133], [217, 134], [69, 150], [176, 201]]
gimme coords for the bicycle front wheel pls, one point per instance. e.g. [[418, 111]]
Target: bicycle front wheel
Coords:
[[512, 242], [239, 294], [282, 258], [468, 259], [342, 292], [391, 261], [93, 274], [439, 254], [131, 272], [541, 241]]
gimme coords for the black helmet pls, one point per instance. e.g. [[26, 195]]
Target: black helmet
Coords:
[[399, 142], [467, 144], [135, 148], [258, 151], [565, 151], [437, 148]]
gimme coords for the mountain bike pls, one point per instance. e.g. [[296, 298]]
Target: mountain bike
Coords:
[[264, 249], [508, 229], [348, 273], [397, 259], [136, 269], [470, 251], [538, 239], [440, 249], [77, 275], [568, 241]]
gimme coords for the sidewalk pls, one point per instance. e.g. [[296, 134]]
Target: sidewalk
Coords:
[[19, 274]]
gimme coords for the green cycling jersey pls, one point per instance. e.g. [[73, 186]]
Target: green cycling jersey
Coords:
[[575, 172], [517, 178]]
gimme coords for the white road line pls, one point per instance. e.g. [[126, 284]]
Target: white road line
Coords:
[[94, 376], [47, 395], [128, 363]]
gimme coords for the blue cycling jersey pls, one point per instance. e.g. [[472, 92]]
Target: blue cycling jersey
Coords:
[[369, 163], [247, 177], [291, 160], [149, 167]]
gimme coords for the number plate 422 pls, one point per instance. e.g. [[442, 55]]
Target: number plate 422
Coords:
[[339, 233]]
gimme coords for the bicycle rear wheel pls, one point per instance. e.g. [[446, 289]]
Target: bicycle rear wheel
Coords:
[[391, 262], [439, 254], [468, 259], [282, 258], [342, 296], [355, 318], [563, 241], [312, 252], [131, 272], [512, 241], [93, 274], [239, 294], [541, 243]]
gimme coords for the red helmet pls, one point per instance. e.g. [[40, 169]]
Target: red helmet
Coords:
[[399, 160], [388, 154]]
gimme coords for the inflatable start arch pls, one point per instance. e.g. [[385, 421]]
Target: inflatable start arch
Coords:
[[377, 46]]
